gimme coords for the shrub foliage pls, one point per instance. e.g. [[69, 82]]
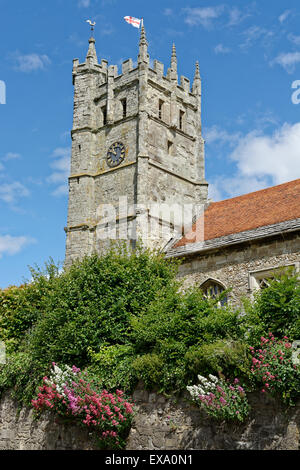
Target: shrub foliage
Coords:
[[123, 317]]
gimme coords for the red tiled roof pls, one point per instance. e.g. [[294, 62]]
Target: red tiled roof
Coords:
[[250, 211]]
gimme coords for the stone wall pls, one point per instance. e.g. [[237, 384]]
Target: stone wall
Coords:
[[20, 431], [160, 424], [163, 424], [233, 266]]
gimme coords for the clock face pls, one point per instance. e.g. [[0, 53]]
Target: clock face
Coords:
[[115, 154]]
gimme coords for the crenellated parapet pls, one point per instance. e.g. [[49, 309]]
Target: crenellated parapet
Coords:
[[105, 78]]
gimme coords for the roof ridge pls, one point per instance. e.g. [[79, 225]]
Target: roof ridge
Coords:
[[249, 211], [255, 192]]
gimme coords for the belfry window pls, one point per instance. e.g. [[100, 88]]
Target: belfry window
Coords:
[[104, 115], [160, 109], [181, 118], [124, 107], [170, 147], [212, 289]]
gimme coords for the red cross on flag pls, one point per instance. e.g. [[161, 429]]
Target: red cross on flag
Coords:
[[134, 21]]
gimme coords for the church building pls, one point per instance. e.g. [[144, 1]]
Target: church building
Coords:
[[137, 173]]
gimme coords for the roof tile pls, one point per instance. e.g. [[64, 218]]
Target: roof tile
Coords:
[[260, 208]]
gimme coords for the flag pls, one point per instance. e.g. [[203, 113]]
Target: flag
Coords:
[[134, 21]]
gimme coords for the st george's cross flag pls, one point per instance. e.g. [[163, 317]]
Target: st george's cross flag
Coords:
[[133, 21]]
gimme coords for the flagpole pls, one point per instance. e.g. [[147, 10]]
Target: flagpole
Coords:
[[142, 22]]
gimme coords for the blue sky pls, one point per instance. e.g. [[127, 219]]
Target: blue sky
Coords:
[[249, 55]]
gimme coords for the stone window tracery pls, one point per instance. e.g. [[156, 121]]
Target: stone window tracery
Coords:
[[212, 289], [259, 280]]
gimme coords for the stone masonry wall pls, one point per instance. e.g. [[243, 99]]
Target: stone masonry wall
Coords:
[[161, 424], [234, 265], [20, 431]]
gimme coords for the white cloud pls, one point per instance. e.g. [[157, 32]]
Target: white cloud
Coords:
[[31, 62], [224, 188], [168, 11], [206, 16], [203, 16], [11, 156], [265, 119], [262, 160], [10, 192], [254, 34], [216, 135], [287, 60], [294, 39], [284, 16], [61, 165], [84, 3], [12, 245], [276, 155], [220, 49], [236, 16]]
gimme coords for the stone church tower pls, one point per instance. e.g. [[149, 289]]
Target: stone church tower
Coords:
[[136, 143]]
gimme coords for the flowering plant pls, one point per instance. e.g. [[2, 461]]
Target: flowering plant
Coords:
[[272, 367], [220, 399], [69, 392]]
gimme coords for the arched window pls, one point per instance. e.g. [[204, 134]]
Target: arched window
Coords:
[[212, 289]]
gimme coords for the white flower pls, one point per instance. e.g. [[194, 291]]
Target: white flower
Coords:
[[213, 378], [193, 390], [202, 379]]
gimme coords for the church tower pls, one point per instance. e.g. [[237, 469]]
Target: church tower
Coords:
[[136, 144]]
